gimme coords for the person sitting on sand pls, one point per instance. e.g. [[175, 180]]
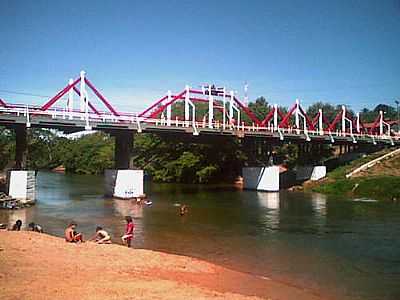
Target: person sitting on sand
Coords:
[[183, 210], [17, 226], [71, 235], [35, 227], [101, 236], [128, 236]]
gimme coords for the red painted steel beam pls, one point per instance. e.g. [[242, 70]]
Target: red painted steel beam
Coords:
[[3, 103], [162, 107], [89, 103], [280, 114], [315, 120], [61, 93], [267, 117], [248, 112], [102, 98], [362, 127], [325, 120], [196, 92], [194, 99], [309, 122], [335, 121], [375, 124], [285, 119], [153, 106]]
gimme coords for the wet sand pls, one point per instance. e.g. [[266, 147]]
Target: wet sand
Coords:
[[40, 266]]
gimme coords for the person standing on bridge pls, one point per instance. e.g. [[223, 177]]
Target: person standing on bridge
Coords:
[[128, 236]]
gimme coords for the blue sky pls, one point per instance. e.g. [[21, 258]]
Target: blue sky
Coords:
[[134, 51]]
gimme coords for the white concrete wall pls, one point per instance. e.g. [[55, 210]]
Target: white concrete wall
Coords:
[[124, 184], [318, 173], [261, 178], [310, 172], [22, 185]]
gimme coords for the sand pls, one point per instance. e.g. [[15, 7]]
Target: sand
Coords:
[[40, 266]]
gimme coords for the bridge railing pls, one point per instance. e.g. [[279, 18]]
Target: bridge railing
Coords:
[[31, 111]]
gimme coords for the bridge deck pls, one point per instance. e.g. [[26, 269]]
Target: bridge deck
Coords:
[[69, 123]]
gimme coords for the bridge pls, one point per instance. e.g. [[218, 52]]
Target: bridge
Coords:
[[196, 112], [199, 114]]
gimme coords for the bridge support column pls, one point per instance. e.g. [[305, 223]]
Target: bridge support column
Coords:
[[123, 149], [21, 147], [261, 178], [20, 182], [123, 182]]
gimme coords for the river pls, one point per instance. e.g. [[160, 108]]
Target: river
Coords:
[[348, 248]]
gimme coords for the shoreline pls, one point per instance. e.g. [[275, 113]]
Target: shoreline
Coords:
[[117, 272]]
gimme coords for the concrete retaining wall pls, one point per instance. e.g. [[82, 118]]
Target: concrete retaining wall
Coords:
[[22, 185], [124, 184], [261, 178], [310, 173]]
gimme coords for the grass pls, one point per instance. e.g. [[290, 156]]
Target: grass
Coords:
[[377, 186]]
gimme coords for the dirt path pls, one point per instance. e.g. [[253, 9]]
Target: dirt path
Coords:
[[39, 266]]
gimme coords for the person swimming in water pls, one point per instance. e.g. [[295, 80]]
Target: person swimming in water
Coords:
[[183, 210], [101, 236]]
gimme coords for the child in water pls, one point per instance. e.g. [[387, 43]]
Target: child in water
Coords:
[[128, 236], [183, 210]]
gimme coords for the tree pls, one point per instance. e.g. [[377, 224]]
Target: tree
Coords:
[[7, 147], [90, 154]]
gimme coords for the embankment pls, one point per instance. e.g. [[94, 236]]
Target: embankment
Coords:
[[381, 181]]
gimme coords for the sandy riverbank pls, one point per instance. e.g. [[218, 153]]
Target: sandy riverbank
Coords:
[[39, 266]]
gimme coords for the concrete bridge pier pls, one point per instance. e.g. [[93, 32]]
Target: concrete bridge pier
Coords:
[[21, 183], [309, 167], [21, 147], [259, 174], [123, 149], [124, 181]]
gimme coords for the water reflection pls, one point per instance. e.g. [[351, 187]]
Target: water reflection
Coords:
[[270, 217], [319, 204], [128, 208], [268, 200]]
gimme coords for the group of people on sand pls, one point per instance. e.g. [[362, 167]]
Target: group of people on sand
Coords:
[[18, 225], [72, 236], [101, 236]]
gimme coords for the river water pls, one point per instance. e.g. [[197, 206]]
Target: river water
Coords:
[[342, 247]]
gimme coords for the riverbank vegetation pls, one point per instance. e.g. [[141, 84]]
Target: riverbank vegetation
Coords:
[[382, 181]]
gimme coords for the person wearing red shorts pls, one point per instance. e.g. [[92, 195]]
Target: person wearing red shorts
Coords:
[[128, 236], [71, 235]]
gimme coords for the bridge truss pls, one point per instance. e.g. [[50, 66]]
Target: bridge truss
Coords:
[[208, 110]]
